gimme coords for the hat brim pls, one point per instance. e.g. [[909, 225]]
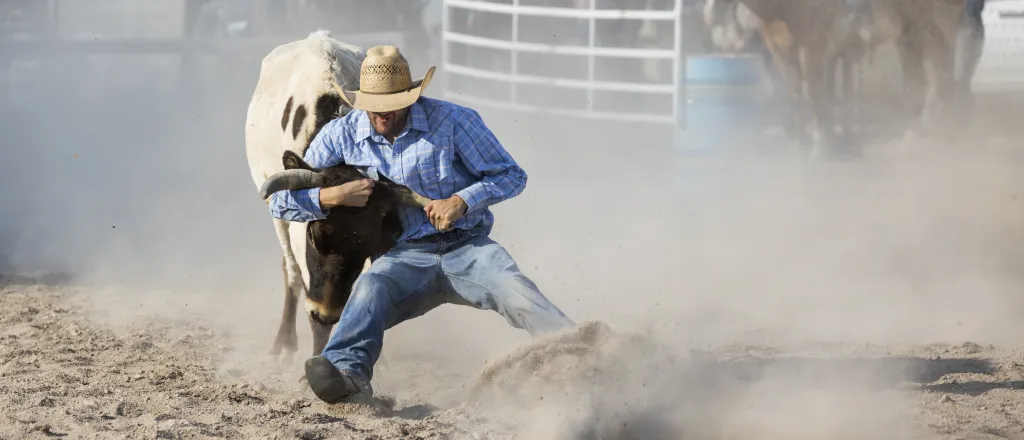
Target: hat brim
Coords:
[[377, 102]]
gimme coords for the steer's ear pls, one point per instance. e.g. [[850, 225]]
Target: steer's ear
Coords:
[[292, 161]]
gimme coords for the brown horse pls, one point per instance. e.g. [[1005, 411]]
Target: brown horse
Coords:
[[809, 39]]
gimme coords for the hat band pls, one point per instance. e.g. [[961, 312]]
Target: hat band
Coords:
[[389, 93]]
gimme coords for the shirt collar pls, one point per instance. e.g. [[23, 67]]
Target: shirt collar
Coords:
[[417, 121]]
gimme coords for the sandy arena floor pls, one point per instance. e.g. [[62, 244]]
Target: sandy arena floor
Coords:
[[64, 374]]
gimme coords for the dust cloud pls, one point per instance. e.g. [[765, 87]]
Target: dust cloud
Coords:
[[754, 280]]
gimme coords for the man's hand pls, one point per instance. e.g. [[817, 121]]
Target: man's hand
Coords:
[[444, 213], [354, 193]]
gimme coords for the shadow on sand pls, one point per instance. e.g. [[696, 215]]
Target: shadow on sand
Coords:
[[881, 372], [974, 388]]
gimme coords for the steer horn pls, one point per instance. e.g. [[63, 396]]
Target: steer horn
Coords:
[[291, 179]]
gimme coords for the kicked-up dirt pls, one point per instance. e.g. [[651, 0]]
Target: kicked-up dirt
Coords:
[[64, 374]]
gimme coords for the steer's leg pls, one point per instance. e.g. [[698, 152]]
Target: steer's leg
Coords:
[[286, 343], [321, 333], [286, 339]]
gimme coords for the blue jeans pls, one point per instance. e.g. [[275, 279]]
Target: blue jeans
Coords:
[[460, 267]]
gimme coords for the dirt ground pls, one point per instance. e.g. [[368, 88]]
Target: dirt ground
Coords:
[[65, 372]]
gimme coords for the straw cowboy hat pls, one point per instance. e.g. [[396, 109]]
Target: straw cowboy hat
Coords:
[[384, 82]]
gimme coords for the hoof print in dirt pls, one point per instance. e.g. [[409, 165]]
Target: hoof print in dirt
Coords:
[[312, 434], [87, 408], [45, 428], [320, 419], [298, 404], [121, 409], [244, 398]]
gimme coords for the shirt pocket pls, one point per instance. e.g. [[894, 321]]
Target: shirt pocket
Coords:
[[356, 155], [435, 166]]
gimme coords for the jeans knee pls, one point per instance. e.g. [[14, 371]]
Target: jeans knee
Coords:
[[516, 291], [369, 289]]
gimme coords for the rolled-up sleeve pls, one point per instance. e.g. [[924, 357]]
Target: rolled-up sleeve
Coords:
[[303, 205], [297, 205], [501, 178]]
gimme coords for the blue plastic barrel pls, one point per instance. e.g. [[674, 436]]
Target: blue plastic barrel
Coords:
[[724, 106], [724, 103]]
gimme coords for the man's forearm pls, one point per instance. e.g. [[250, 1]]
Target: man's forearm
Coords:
[[299, 205], [493, 189], [303, 205]]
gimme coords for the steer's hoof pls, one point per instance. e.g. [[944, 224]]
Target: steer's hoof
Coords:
[[283, 351], [282, 358]]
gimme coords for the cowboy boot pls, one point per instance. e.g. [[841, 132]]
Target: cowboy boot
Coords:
[[332, 386]]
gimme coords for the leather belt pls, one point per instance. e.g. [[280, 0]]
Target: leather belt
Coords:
[[448, 236]]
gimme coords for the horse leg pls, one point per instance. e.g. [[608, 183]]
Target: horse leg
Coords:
[[799, 111], [911, 55], [940, 53], [781, 95], [970, 41], [814, 65], [787, 81], [830, 70], [853, 76], [855, 87], [837, 67], [849, 115]]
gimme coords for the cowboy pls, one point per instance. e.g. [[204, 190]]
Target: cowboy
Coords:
[[439, 150]]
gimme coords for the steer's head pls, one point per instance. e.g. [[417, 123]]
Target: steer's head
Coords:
[[337, 247]]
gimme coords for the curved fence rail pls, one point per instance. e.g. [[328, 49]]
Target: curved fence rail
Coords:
[[565, 58], [1002, 63]]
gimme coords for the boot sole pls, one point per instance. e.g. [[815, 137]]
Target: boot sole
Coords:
[[326, 381]]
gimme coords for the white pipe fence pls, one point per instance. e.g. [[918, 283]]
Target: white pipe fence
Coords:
[[519, 60], [1002, 63]]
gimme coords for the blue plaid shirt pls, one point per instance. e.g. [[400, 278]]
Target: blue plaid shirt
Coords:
[[445, 149]]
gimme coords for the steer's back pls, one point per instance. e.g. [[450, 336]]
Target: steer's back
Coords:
[[293, 98]]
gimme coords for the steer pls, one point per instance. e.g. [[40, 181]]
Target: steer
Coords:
[[294, 98], [339, 246]]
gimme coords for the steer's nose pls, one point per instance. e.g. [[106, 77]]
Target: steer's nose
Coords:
[[320, 313], [321, 318]]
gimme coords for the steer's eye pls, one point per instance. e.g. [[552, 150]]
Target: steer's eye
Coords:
[[320, 238]]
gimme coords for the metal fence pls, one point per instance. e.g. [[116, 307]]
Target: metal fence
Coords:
[[1002, 63], [564, 59]]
